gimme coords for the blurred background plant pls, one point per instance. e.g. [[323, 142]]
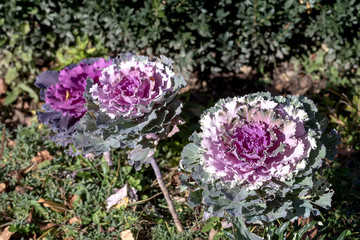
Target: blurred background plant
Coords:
[[200, 37], [344, 113], [82, 50]]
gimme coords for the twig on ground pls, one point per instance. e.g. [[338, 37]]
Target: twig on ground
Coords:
[[145, 200], [57, 178], [166, 195], [2, 143], [73, 175]]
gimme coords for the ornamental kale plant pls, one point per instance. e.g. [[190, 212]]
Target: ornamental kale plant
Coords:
[[63, 95], [132, 105], [126, 102], [257, 158]]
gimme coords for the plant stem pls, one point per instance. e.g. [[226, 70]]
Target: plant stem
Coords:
[[73, 175], [107, 157], [166, 195]]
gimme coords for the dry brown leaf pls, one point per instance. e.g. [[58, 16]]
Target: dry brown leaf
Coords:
[[29, 219], [127, 235], [3, 186], [16, 174], [72, 200], [20, 189], [75, 220], [32, 167], [179, 199], [212, 234], [11, 143], [6, 234], [29, 188], [3, 86], [246, 69], [57, 207], [69, 238], [47, 226], [42, 157], [324, 47]]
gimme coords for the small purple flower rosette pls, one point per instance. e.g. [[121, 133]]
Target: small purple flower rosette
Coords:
[[63, 95]]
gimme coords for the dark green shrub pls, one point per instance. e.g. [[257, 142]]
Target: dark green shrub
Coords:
[[199, 35]]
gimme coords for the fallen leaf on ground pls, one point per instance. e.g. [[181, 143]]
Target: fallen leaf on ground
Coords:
[[179, 199], [20, 189], [57, 207], [32, 167], [20, 173], [246, 69], [42, 157], [3, 186], [74, 220], [123, 202], [127, 235], [121, 196], [6, 234], [212, 234], [47, 226], [3, 86], [70, 201], [11, 143], [16, 174], [29, 218]]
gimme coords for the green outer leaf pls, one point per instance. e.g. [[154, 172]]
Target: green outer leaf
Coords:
[[29, 90], [210, 224], [305, 229], [281, 230], [323, 237], [324, 200], [140, 155], [11, 96], [331, 140], [344, 234], [11, 75], [242, 232], [195, 198]]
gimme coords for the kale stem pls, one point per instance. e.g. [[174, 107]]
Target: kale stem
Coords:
[[107, 157], [166, 195]]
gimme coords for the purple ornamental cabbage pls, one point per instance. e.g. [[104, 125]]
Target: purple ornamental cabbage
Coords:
[[126, 89], [257, 157], [63, 95], [133, 105]]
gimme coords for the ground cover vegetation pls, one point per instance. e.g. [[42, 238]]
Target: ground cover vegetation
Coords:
[[224, 49]]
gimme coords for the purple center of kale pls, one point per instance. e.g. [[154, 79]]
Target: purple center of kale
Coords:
[[251, 140]]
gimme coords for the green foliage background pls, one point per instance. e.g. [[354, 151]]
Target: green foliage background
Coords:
[[205, 36]]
